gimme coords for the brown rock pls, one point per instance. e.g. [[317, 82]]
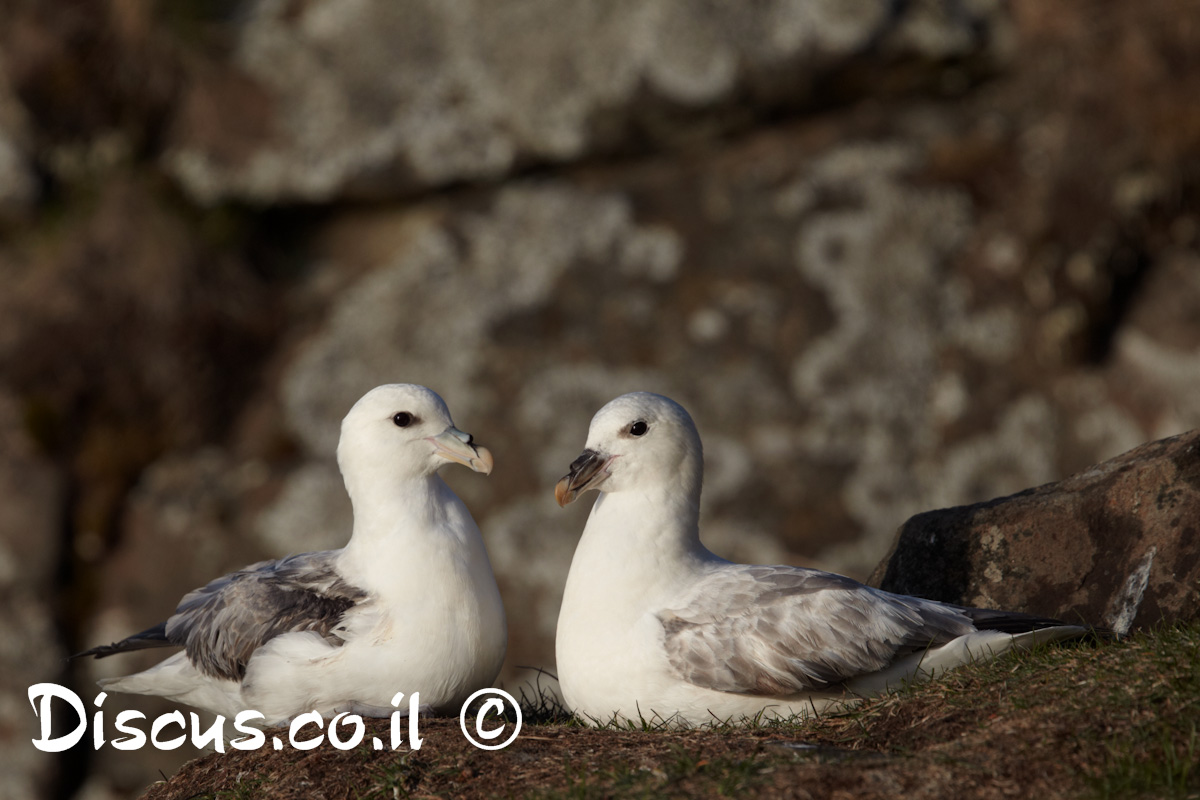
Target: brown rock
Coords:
[[18, 184], [1116, 545], [879, 284], [383, 99], [30, 651]]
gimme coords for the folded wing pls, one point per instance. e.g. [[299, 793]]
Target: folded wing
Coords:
[[223, 623], [768, 630]]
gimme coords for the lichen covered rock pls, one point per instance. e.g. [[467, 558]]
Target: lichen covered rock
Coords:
[[1116, 546]]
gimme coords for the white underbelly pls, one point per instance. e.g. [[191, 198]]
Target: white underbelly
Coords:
[[443, 651]]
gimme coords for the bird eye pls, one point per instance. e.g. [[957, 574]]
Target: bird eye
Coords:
[[638, 428], [403, 419]]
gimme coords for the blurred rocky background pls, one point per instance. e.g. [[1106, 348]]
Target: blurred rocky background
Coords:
[[893, 255]]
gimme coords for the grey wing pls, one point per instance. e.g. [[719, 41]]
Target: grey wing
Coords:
[[223, 623], [786, 630]]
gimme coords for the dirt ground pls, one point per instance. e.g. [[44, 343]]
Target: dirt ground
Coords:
[[1092, 720]]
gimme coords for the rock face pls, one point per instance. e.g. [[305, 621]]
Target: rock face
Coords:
[[31, 649], [892, 256], [18, 185], [1117, 545], [375, 97]]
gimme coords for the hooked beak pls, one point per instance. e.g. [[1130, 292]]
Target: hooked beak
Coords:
[[586, 472], [454, 445]]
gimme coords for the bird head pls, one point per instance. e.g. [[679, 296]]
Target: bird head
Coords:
[[638, 441], [402, 430]]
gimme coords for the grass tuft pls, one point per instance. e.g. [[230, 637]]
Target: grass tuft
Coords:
[[1098, 720], [540, 704], [393, 778]]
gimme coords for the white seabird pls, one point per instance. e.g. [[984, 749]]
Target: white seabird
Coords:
[[410, 604], [655, 627]]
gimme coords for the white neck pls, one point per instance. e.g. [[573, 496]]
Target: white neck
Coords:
[[384, 508], [402, 524], [639, 540]]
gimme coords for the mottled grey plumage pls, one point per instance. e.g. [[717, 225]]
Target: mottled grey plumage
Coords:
[[223, 623], [778, 630]]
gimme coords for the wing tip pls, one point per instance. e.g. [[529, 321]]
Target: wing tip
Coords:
[[149, 638]]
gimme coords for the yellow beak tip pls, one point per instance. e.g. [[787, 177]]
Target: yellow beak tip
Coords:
[[483, 461]]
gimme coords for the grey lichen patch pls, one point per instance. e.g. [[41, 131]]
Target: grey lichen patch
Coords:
[[879, 247], [312, 512], [1176, 371], [1016, 454], [1124, 606], [556, 404], [18, 182], [384, 97], [531, 545], [185, 504], [925, 28], [426, 316]]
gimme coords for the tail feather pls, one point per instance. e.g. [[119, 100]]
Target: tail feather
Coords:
[[988, 619], [981, 645], [175, 678], [149, 638]]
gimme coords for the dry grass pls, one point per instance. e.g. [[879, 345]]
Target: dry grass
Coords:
[[1111, 720]]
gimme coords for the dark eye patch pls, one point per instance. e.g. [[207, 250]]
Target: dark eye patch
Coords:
[[638, 428]]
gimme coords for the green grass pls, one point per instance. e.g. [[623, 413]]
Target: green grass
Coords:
[[246, 788], [1131, 708], [677, 775], [1094, 721], [1169, 772], [1155, 692], [1136, 702], [393, 779]]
